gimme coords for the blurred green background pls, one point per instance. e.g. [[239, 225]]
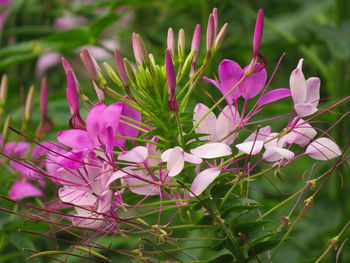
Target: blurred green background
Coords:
[[316, 30]]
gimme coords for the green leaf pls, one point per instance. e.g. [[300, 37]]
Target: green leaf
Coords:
[[263, 246], [248, 228]]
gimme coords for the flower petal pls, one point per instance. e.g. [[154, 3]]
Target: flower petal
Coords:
[[125, 129], [24, 189], [18, 149], [207, 125], [212, 150], [93, 120], [252, 85], [251, 147], [77, 196], [176, 161], [298, 86], [273, 96], [76, 139], [301, 134], [203, 180], [226, 124], [273, 154], [229, 74], [192, 158], [323, 149], [313, 91], [138, 155], [305, 109]]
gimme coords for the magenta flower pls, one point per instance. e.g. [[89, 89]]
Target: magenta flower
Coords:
[[98, 120], [229, 75]]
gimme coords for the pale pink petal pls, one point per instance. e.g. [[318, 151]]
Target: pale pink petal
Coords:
[[77, 196], [251, 147], [305, 109], [117, 175], [262, 135], [69, 178], [313, 91], [273, 154], [138, 154], [301, 134], [165, 155], [323, 149], [76, 139], [139, 186], [203, 180], [226, 124], [212, 150], [192, 158], [273, 96], [87, 218], [45, 62], [298, 86], [208, 125], [175, 161], [24, 189], [104, 201]]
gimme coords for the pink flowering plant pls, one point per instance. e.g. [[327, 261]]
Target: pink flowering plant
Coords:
[[143, 164]]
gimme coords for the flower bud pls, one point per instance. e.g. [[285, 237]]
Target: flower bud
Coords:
[[172, 102], [171, 41], [216, 21], [210, 32], [135, 46], [142, 48], [121, 68], [129, 70], [90, 64], [181, 45], [3, 90], [258, 32], [29, 104], [196, 39], [100, 94], [170, 72], [43, 97], [220, 37], [112, 74]]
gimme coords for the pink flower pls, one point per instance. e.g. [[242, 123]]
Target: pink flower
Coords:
[[219, 129], [323, 149], [305, 93]]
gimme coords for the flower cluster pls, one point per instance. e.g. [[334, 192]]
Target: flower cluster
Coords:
[[147, 149]]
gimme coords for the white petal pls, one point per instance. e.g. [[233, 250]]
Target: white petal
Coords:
[[313, 91], [226, 124], [117, 175], [212, 150], [165, 155], [176, 161], [252, 147], [273, 154], [138, 155], [208, 125], [305, 109], [262, 135], [76, 196], [301, 134], [298, 86], [192, 158], [203, 180], [323, 149]]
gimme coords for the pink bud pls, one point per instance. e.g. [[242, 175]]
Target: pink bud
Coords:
[[258, 32], [43, 97], [142, 48], [99, 92], [172, 102], [210, 32], [72, 94], [216, 21], [170, 71], [136, 49], [171, 41], [196, 39], [90, 64], [121, 68]]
